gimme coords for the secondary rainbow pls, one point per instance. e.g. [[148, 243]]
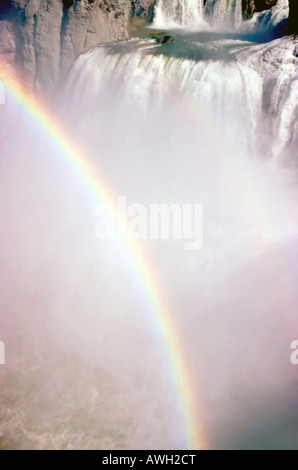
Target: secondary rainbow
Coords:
[[81, 163]]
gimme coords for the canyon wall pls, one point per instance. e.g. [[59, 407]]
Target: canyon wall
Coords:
[[48, 35]]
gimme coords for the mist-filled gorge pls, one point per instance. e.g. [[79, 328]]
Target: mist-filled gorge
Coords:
[[181, 348]]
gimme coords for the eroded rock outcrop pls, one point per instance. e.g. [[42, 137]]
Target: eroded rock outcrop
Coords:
[[48, 35], [8, 44], [143, 8], [87, 23], [39, 26]]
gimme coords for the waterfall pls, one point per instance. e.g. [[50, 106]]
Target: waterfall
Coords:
[[237, 97], [276, 63], [218, 90], [179, 13], [224, 13], [196, 14], [168, 127]]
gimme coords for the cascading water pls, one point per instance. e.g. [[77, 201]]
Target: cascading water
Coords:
[[196, 14], [203, 119], [224, 13], [185, 13], [211, 91]]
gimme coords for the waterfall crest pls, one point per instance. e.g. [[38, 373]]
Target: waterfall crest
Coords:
[[198, 14], [224, 13], [239, 90], [213, 89], [179, 13]]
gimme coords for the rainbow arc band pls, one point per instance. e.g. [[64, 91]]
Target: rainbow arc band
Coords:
[[79, 162]]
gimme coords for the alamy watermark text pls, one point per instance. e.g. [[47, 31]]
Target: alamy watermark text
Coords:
[[2, 353], [294, 355], [2, 93], [153, 222]]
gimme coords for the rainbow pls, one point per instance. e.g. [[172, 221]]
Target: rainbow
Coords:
[[79, 162]]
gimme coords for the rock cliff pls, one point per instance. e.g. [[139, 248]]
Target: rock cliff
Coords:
[[48, 35]]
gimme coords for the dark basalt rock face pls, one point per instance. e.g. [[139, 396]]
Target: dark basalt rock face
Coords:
[[293, 18], [252, 6], [162, 38], [143, 8]]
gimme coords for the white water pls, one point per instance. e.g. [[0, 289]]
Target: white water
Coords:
[[185, 13], [268, 19], [204, 120], [258, 84], [224, 13], [210, 92], [197, 14]]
